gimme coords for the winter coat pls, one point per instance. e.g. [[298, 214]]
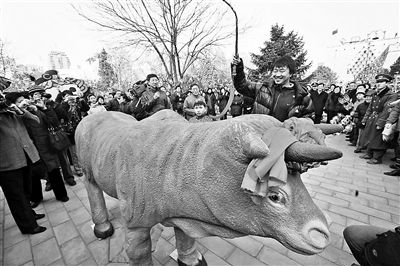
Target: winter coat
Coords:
[[204, 118], [211, 101], [40, 136], [376, 116], [319, 101], [112, 105], [272, 99], [237, 105], [332, 102], [223, 101], [177, 100], [359, 113], [144, 104], [15, 144], [126, 107], [394, 113]]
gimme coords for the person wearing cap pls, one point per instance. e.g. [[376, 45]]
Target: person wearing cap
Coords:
[[375, 120], [147, 98], [280, 97]]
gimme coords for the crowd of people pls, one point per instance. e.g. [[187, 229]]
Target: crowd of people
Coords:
[[371, 112]]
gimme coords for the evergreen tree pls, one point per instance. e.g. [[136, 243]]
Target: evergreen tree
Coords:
[[280, 44], [323, 74], [395, 68], [106, 72]]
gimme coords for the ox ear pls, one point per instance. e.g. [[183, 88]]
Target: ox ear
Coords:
[[329, 128], [253, 146], [306, 153]]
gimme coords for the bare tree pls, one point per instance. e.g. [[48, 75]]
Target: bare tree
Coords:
[[178, 31], [119, 59], [6, 61], [211, 68]]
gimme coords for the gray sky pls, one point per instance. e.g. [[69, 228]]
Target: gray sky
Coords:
[[33, 28]]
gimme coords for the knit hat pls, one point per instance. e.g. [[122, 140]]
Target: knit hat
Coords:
[[149, 76]]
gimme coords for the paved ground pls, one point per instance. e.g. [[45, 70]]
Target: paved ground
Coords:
[[69, 239]]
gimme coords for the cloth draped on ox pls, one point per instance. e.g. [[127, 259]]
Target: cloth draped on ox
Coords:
[[271, 170]]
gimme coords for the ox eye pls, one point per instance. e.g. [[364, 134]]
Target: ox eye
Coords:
[[276, 197]]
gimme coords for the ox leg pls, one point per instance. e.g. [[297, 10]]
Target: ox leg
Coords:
[[187, 251], [102, 226], [138, 246]]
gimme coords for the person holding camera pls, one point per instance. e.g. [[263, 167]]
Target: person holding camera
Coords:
[[17, 154], [147, 98]]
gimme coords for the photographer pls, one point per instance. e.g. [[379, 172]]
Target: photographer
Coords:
[[148, 98], [17, 153], [70, 113]]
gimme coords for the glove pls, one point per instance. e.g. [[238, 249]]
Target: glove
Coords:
[[238, 62]]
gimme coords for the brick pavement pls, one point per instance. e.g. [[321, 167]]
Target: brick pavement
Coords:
[[69, 238]]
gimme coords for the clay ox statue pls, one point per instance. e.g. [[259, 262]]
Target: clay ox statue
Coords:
[[166, 170]]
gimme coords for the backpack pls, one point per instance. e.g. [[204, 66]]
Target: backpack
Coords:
[[384, 250]]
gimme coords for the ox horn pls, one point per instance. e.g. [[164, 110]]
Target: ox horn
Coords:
[[329, 128], [306, 153]]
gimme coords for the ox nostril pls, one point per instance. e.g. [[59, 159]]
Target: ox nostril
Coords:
[[317, 234], [319, 239]]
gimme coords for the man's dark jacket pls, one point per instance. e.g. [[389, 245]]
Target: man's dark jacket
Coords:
[[272, 99]]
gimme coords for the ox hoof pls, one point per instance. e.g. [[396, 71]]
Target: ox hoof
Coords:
[[202, 262], [103, 230]]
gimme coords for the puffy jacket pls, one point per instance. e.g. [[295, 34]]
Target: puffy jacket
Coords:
[[144, 104], [272, 99]]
